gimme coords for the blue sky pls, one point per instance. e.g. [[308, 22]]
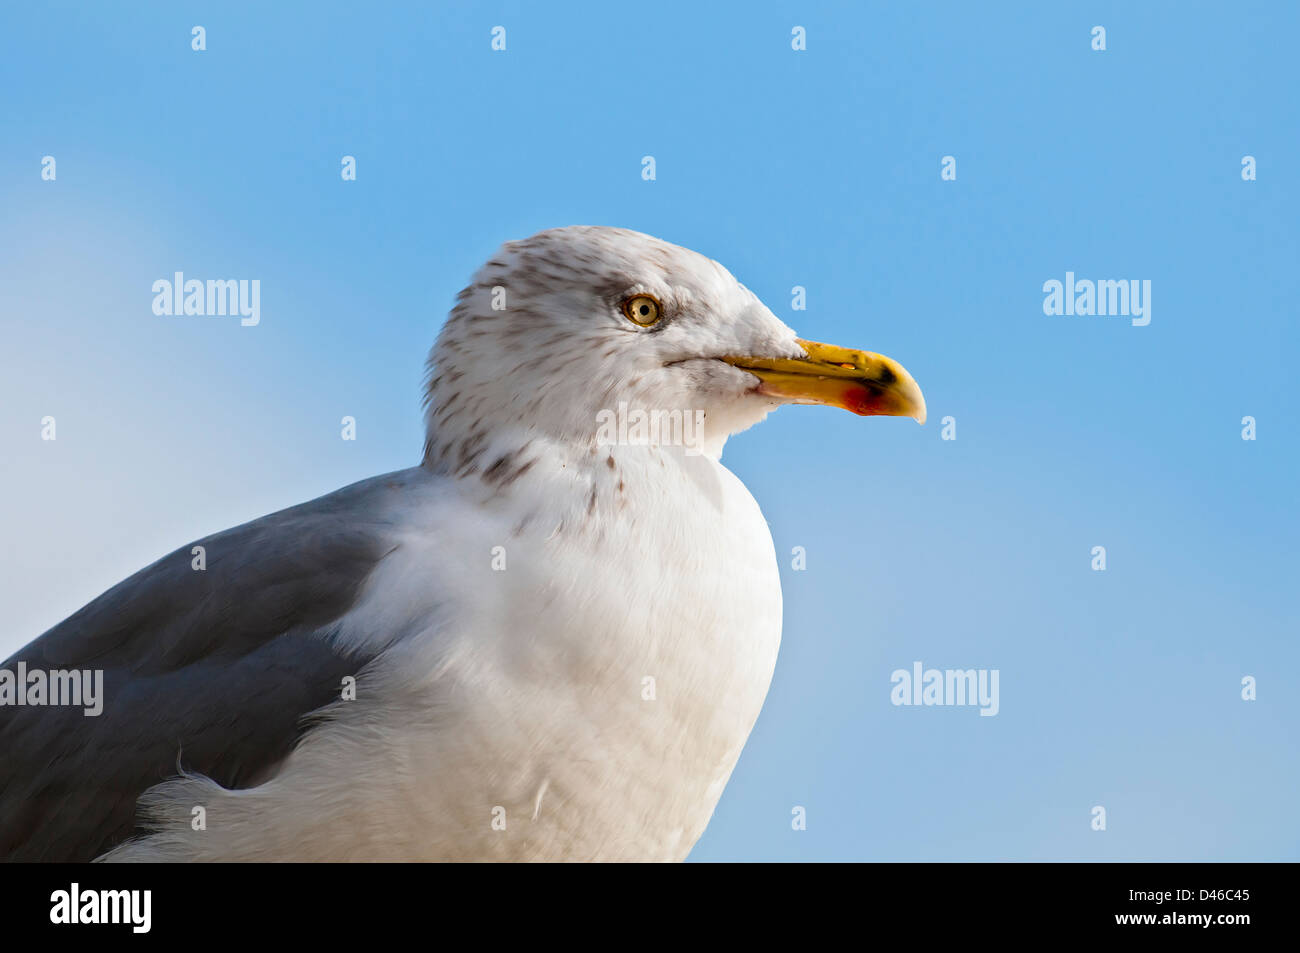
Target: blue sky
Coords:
[[818, 168]]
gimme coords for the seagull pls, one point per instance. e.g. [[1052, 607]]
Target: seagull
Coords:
[[548, 641]]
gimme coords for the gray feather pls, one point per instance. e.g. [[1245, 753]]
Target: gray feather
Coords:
[[210, 670]]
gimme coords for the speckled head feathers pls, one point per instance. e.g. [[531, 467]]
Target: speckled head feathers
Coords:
[[538, 345]]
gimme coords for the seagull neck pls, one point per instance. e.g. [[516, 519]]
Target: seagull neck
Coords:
[[561, 485]]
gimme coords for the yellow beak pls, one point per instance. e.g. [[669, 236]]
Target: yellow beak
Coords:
[[858, 381]]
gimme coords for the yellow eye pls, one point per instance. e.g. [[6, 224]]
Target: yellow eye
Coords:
[[642, 309]]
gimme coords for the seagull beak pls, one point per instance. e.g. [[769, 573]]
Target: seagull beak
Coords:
[[859, 381]]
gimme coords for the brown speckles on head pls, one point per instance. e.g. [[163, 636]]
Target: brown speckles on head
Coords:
[[563, 350], [498, 469], [521, 470], [508, 468]]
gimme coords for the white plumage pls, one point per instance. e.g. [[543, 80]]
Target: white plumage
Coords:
[[560, 645]]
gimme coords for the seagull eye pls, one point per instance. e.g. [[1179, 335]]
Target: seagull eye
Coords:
[[642, 309]]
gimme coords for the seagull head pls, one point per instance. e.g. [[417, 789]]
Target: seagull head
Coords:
[[560, 335]]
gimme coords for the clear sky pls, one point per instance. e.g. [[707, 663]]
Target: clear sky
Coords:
[[818, 168]]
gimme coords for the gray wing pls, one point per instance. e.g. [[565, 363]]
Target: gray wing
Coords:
[[213, 670]]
